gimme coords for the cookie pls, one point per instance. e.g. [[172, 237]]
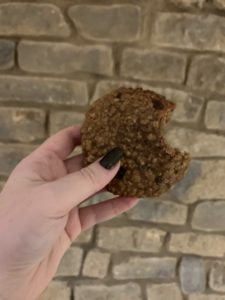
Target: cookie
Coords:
[[134, 120]]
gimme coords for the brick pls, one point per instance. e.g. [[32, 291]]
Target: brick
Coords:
[[71, 263], [85, 237], [215, 115], [56, 291], [209, 216], [149, 268], [7, 54], [188, 3], [163, 291], [122, 23], [204, 180], [63, 58], [61, 119], [179, 30], [153, 65], [11, 155], [188, 106], [159, 211], [130, 238], [96, 264], [192, 275], [129, 291], [217, 276], [199, 244], [207, 73], [30, 19], [22, 124], [219, 4], [197, 143], [206, 297], [43, 90]]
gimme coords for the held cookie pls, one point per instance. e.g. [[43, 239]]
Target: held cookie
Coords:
[[134, 119]]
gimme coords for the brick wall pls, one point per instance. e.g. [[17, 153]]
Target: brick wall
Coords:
[[57, 57]]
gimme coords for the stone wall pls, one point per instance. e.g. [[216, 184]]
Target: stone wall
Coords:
[[55, 58]]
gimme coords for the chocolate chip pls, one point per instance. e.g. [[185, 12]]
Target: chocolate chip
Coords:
[[158, 105], [120, 174]]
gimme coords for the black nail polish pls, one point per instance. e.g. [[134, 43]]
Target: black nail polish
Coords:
[[111, 158], [120, 174]]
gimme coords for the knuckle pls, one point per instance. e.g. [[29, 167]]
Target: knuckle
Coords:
[[91, 177]]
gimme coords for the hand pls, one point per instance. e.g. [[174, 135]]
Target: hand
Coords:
[[40, 215]]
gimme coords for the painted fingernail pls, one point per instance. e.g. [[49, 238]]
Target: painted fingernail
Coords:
[[120, 174], [111, 158]]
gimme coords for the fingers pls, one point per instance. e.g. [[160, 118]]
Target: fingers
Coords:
[[74, 163], [62, 143], [101, 212]]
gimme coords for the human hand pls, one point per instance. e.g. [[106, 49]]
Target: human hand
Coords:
[[40, 215]]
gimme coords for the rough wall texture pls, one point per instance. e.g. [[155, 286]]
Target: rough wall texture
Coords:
[[57, 57]]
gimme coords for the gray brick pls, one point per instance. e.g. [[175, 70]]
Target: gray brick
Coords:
[[215, 115], [43, 90], [209, 216], [150, 268], [71, 263], [206, 297], [164, 291], [219, 4], [130, 238], [120, 23], [11, 155], [22, 124], [61, 119], [217, 276], [129, 291], [182, 30], [159, 211], [188, 3], [153, 65], [192, 275], [85, 237], [7, 54], [204, 180], [96, 264], [207, 73], [197, 143], [62, 58], [56, 291], [198, 244], [30, 19]]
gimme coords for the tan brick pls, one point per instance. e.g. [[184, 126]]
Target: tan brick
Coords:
[[63, 58], [215, 115], [121, 22], [209, 216], [204, 180], [199, 244], [130, 238], [144, 267], [206, 297], [197, 143], [61, 119], [217, 277], [219, 4], [30, 19], [153, 65], [164, 291], [159, 211], [71, 262], [207, 73], [7, 54], [188, 3], [43, 90], [22, 124], [129, 291], [56, 291], [96, 264], [179, 30], [85, 237], [11, 155]]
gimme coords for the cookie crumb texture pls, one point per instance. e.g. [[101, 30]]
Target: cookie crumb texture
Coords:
[[133, 119]]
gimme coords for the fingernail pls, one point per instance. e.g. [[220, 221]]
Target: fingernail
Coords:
[[120, 174], [111, 158]]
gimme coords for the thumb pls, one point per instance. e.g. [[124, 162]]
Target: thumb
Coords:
[[74, 188]]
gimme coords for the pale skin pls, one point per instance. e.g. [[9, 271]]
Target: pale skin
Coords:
[[40, 215]]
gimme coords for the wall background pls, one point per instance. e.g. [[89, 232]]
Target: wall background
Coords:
[[58, 56]]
